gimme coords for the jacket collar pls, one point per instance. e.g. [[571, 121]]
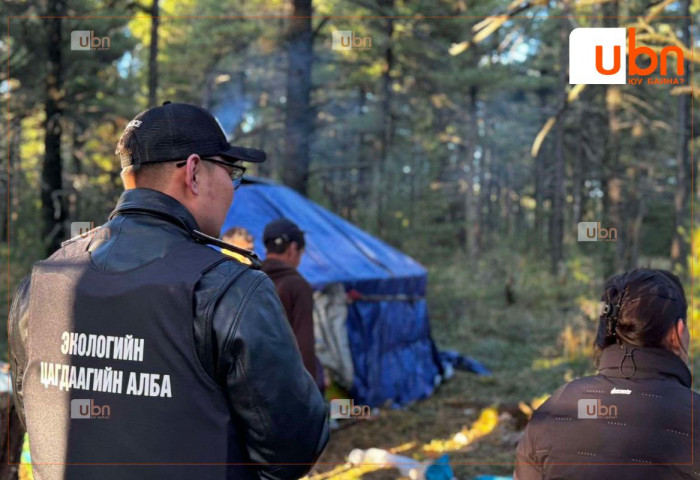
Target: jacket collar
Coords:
[[274, 266], [153, 202], [626, 361]]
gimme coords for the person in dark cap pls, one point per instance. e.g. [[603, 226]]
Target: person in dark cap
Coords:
[[284, 245], [633, 420], [147, 347]]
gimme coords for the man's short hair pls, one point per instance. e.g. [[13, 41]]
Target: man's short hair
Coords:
[[152, 174], [125, 147]]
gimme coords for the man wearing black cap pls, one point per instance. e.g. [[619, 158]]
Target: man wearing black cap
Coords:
[[284, 245], [146, 347]]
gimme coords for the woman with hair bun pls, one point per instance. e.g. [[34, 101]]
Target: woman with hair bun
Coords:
[[633, 420]]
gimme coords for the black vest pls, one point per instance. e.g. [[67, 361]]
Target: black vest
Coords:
[[113, 376]]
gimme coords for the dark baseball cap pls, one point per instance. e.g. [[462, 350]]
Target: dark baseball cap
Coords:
[[174, 131], [283, 231]]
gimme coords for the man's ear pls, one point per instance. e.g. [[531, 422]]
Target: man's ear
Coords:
[[192, 170], [293, 248]]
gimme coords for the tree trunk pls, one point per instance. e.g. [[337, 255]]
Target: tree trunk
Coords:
[[75, 201], [539, 233], [679, 244], [508, 201], [611, 181], [299, 121], [635, 210], [558, 191], [10, 188], [52, 212], [359, 188], [485, 207], [492, 220], [577, 179], [471, 214], [379, 183], [153, 56]]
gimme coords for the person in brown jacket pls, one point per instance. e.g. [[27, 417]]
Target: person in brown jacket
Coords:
[[634, 419], [284, 245]]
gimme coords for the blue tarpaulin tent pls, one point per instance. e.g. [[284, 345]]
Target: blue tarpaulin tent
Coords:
[[393, 354]]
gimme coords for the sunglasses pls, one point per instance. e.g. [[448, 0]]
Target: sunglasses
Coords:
[[234, 171]]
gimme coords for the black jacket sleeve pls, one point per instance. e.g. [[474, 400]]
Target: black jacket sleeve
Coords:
[[17, 333], [269, 391]]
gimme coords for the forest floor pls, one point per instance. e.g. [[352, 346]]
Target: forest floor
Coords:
[[532, 346]]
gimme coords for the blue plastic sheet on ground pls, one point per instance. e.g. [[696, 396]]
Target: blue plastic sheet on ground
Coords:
[[462, 362], [440, 469]]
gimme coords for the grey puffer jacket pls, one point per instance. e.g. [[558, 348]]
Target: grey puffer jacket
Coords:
[[632, 421]]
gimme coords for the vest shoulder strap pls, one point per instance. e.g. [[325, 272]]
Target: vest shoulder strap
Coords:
[[191, 256]]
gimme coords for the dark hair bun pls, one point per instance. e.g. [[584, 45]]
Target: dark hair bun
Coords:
[[640, 307]]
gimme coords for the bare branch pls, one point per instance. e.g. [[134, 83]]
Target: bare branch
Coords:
[[318, 28]]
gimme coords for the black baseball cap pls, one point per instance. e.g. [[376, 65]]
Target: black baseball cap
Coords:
[[283, 231], [174, 131]]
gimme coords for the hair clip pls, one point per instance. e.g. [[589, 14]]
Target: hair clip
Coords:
[[611, 310]]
